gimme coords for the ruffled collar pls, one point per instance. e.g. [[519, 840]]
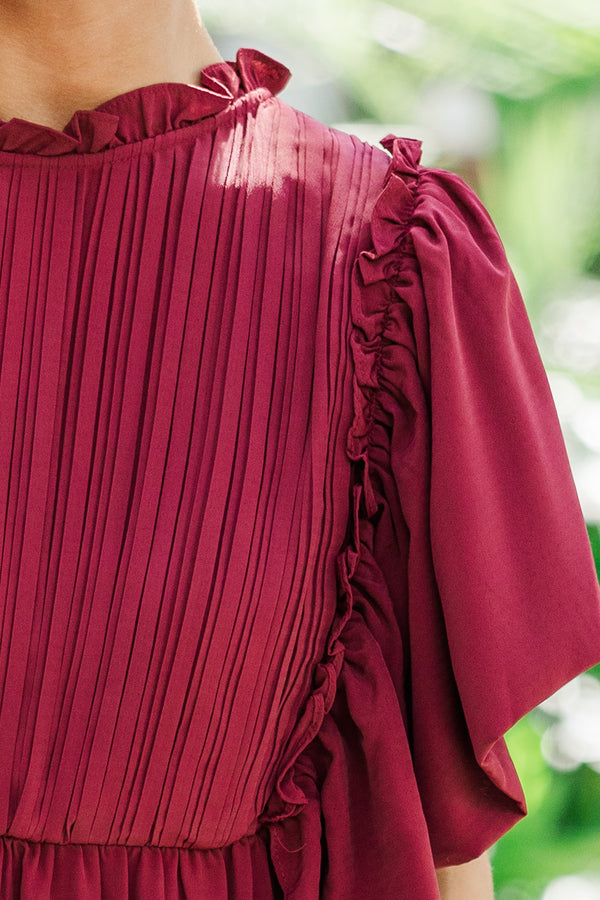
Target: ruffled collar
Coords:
[[148, 111]]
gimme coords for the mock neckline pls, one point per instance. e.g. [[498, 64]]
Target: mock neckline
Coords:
[[148, 111]]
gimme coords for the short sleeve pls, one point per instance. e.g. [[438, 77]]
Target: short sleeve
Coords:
[[467, 589], [479, 532]]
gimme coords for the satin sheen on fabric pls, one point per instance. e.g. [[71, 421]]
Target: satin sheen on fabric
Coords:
[[289, 537]]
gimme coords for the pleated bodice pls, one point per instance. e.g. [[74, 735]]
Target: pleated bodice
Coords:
[[166, 483]]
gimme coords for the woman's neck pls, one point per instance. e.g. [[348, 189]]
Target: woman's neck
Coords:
[[59, 56]]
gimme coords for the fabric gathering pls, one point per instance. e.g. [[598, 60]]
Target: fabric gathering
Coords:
[[289, 538]]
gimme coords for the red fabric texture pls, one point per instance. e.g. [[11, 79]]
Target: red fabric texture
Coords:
[[289, 535]]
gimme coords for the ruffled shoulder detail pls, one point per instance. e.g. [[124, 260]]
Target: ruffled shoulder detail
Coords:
[[369, 303], [345, 811], [391, 216], [467, 590], [150, 110]]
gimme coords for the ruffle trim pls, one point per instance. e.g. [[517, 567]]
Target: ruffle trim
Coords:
[[390, 223], [392, 215], [150, 110]]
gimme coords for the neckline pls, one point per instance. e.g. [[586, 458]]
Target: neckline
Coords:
[[148, 111]]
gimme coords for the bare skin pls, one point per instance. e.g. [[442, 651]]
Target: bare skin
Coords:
[[472, 881], [59, 56]]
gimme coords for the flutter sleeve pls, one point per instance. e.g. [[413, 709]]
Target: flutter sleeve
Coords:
[[468, 592], [477, 527]]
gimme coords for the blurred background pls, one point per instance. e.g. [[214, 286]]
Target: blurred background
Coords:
[[507, 94]]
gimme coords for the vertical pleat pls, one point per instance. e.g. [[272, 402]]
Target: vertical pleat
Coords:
[[36, 715], [19, 381], [128, 515], [175, 389], [70, 580], [263, 593]]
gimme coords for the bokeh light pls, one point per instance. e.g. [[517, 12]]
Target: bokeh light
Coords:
[[574, 887], [573, 738]]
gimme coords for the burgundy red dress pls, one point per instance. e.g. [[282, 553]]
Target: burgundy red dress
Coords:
[[288, 533]]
